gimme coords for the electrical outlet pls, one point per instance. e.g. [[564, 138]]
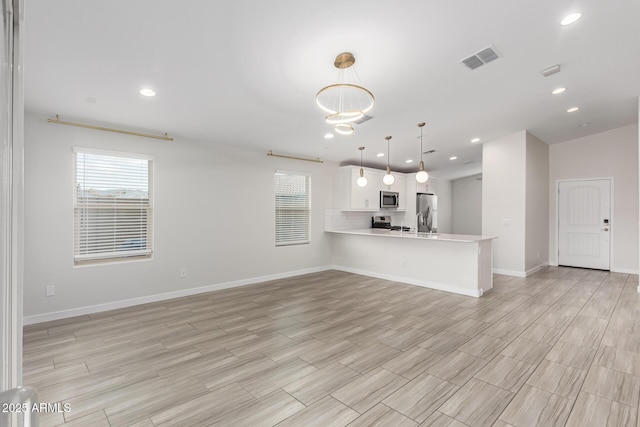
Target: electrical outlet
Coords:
[[50, 291], [183, 273], [538, 254], [506, 221], [404, 263]]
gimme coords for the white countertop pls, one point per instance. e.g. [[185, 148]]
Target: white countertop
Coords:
[[463, 238]]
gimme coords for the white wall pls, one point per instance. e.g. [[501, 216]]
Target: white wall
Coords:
[[213, 215], [444, 191], [503, 201], [467, 205], [537, 204], [614, 154]]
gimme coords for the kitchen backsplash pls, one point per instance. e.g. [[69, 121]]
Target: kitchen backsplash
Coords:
[[335, 219]]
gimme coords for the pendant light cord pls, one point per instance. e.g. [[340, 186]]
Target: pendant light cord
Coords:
[[421, 143], [388, 138]]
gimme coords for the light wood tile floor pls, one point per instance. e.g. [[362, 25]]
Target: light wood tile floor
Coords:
[[333, 349]]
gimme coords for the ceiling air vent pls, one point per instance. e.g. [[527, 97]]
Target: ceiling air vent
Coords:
[[472, 62], [362, 119], [479, 59]]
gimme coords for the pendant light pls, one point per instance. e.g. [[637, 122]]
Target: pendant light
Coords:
[[345, 101], [362, 181], [388, 178], [422, 176]]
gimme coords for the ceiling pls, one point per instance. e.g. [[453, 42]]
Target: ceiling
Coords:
[[246, 72]]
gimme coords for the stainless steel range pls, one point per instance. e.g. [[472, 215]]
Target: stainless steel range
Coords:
[[381, 222], [384, 221]]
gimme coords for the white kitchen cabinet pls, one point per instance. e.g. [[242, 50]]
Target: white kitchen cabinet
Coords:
[[353, 197], [427, 187], [400, 185], [366, 198]]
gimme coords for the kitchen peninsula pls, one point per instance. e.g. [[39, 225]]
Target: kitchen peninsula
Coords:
[[450, 262]]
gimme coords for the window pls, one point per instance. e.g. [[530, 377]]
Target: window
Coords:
[[112, 206], [293, 208]]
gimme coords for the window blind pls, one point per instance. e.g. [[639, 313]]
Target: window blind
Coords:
[[293, 208], [112, 206]]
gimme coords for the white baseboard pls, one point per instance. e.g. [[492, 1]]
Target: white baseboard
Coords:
[[519, 273], [411, 281], [510, 272], [81, 311], [535, 269]]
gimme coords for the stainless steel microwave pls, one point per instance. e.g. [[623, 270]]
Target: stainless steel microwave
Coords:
[[389, 199]]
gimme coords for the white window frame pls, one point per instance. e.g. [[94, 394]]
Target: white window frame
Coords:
[[115, 256], [307, 236]]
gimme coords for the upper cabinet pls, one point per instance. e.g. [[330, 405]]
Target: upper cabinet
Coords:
[[400, 185], [367, 198], [427, 187]]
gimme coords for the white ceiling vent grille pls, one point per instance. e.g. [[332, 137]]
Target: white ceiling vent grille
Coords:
[[362, 119], [480, 58]]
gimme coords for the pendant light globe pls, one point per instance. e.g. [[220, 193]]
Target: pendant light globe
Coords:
[[422, 177], [388, 179]]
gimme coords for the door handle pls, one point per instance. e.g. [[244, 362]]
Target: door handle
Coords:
[[605, 229]]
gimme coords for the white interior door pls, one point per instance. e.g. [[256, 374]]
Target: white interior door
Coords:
[[584, 223]]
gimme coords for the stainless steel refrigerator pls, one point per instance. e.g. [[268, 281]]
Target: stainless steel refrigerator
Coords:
[[427, 212]]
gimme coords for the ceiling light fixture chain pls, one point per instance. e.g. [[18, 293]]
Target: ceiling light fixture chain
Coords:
[[422, 176]]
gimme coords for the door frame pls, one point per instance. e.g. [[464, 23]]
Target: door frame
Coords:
[[12, 205], [611, 215]]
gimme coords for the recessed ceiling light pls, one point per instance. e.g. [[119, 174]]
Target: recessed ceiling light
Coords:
[[583, 125], [328, 135], [453, 157], [573, 109], [558, 91], [380, 155], [408, 161], [571, 18], [147, 92], [474, 140]]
